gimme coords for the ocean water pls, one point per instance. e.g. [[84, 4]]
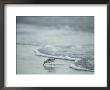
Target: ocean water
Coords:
[[69, 45]]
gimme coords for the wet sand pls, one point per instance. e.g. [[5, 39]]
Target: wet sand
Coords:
[[28, 63]]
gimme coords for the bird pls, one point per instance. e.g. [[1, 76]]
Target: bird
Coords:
[[49, 60]]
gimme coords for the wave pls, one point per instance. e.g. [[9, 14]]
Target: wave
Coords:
[[69, 52], [38, 53], [80, 68], [83, 59]]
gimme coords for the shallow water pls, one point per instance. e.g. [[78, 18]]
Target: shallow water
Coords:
[[28, 63]]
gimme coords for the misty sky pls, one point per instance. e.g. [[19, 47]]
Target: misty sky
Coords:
[[86, 23], [62, 30]]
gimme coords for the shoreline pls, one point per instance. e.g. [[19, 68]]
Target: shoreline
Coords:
[[28, 63]]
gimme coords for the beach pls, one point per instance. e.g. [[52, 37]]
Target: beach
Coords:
[[29, 63]]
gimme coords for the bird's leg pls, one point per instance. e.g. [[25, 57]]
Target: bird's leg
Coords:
[[51, 62]]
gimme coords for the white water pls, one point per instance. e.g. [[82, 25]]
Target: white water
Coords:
[[81, 57]]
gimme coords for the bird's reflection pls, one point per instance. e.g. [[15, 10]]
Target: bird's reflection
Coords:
[[49, 68], [48, 64]]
